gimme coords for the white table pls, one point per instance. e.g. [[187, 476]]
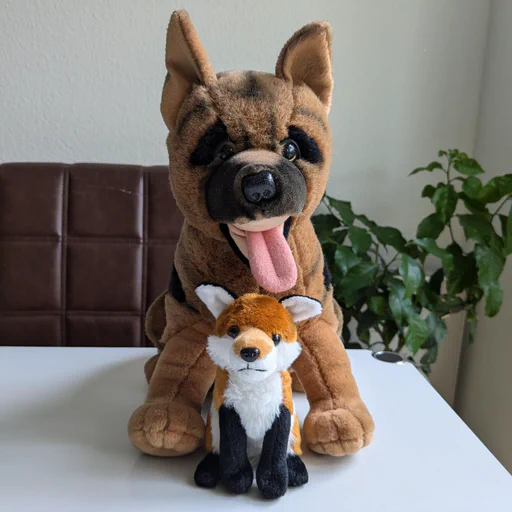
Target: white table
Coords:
[[64, 446]]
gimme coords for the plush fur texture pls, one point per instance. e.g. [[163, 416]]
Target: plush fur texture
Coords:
[[252, 397], [258, 112]]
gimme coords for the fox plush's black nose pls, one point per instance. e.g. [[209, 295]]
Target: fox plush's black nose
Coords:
[[249, 354], [259, 187]]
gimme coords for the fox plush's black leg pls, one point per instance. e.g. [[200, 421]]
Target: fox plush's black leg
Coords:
[[208, 471], [235, 468], [272, 472], [297, 472]]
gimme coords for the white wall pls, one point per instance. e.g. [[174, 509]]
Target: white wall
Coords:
[[81, 81], [485, 387]]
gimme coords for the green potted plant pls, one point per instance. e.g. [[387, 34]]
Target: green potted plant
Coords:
[[379, 277]]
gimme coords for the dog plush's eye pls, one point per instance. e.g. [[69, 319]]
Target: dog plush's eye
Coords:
[[225, 150], [234, 331], [290, 150], [276, 338]]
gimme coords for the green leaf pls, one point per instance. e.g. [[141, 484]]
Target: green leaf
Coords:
[[508, 237], [495, 189], [490, 266], [429, 358], [445, 202], [417, 333], [464, 271], [366, 221], [338, 237], [430, 167], [399, 305], [430, 227], [478, 229], [441, 153], [429, 245], [412, 275], [325, 224], [359, 276], [468, 167], [345, 258], [471, 187], [428, 191], [475, 206], [366, 321], [437, 327], [360, 239], [390, 236], [378, 305], [344, 208]]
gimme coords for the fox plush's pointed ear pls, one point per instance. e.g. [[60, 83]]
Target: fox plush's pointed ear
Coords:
[[187, 64], [301, 307], [306, 58], [216, 298]]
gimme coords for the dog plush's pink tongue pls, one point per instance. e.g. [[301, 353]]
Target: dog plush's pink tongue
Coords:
[[271, 259]]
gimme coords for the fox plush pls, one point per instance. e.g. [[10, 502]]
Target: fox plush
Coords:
[[252, 415], [249, 157]]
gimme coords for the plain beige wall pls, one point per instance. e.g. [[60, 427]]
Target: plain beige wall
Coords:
[[485, 387], [81, 81]]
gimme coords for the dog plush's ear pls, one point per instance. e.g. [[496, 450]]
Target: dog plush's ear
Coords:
[[301, 307], [187, 64], [306, 58], [216, 298]]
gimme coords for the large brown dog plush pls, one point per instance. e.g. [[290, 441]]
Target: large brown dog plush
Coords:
[[249, 157]]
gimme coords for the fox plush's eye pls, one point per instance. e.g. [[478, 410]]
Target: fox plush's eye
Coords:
[[276, 338], [234, 331], [290, 150], [225, 151]]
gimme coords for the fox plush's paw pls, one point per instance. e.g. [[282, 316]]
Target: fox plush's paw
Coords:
[[297, 472], [208, 471], [167, 429], [339, 431], [273, 481], [239, 481]]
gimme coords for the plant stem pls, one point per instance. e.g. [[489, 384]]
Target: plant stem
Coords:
[[499, 207], [448, 183]]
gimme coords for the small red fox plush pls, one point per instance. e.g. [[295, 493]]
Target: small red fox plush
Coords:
[[252, 417]]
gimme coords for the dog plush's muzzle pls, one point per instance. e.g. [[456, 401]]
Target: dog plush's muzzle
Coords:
[[255, 184]]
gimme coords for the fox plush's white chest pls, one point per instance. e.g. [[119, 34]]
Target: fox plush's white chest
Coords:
[[257, 404]]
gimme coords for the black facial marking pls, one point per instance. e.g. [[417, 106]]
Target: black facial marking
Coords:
[[208, 143], [225, 231], [252, 87], [175, 286], [308, 148], [196, 111]]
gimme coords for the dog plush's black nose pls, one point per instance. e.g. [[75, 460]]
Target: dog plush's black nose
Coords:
[[249, 354], [258, 187]]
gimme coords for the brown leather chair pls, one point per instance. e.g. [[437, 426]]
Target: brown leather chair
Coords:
[[84, 250]]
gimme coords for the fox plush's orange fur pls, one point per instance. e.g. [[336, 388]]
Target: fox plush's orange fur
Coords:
[[257, 110]]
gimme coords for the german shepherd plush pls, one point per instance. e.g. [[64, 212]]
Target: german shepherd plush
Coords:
[[252, 418], [249, 158]]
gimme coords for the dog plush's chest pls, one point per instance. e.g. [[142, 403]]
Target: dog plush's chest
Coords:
[[257, 403]]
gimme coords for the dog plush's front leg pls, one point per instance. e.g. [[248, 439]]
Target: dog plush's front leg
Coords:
[[170, 423], [235, 468], [338, 422], [272, 473]]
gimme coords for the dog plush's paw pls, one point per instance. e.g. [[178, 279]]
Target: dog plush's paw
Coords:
[[167, 429], [297, 472], [239, 481], [338, 431], [273, 482], [208, 471]]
